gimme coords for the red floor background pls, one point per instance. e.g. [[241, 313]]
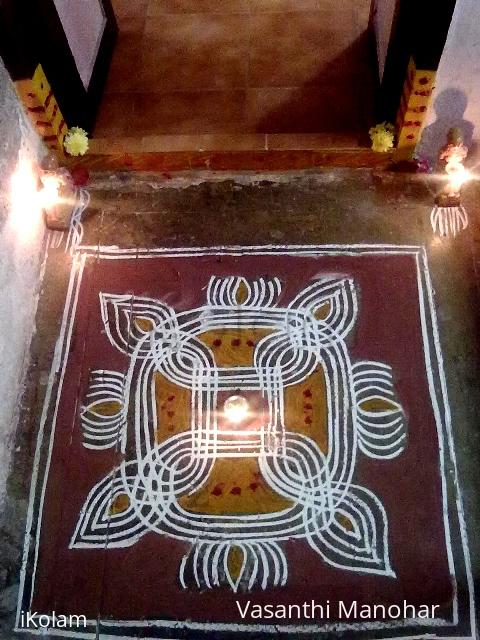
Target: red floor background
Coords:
[[142, 581]]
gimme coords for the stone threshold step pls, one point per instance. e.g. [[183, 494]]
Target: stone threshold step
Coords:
[[265, 160], [225, 142]]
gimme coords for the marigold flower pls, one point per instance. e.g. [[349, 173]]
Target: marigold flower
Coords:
[[382, 136], [76, 142]]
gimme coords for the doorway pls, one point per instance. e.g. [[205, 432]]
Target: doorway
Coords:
[[229, 73]]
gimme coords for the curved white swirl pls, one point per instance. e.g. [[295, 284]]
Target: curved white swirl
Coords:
[[345, 523]]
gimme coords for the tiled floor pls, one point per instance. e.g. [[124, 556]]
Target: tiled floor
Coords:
[[230, 67]]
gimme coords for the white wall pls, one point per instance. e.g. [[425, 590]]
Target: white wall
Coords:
[[83, 22], [20, 255], [456, 99], [383, 12]]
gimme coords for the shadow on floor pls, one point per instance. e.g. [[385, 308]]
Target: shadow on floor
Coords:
[[339, 99]]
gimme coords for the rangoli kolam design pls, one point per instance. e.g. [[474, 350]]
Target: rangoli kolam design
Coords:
[[248, 425]]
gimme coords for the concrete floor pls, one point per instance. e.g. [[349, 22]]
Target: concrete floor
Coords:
[[322, 207]]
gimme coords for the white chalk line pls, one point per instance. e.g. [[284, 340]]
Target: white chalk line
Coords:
[[68, 315]]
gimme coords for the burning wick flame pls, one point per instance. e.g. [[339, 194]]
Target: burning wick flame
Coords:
[[457, 174], [236, 409], [25, 196], [49, 195]]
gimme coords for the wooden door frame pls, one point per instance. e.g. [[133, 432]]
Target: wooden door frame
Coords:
[[36, 25], [419, 31], [79, 106]]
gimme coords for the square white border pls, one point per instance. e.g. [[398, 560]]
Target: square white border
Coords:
[[436, 379]]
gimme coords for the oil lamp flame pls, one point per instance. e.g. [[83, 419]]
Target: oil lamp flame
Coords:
[[236, 409], [457, 175], [49, 195]]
